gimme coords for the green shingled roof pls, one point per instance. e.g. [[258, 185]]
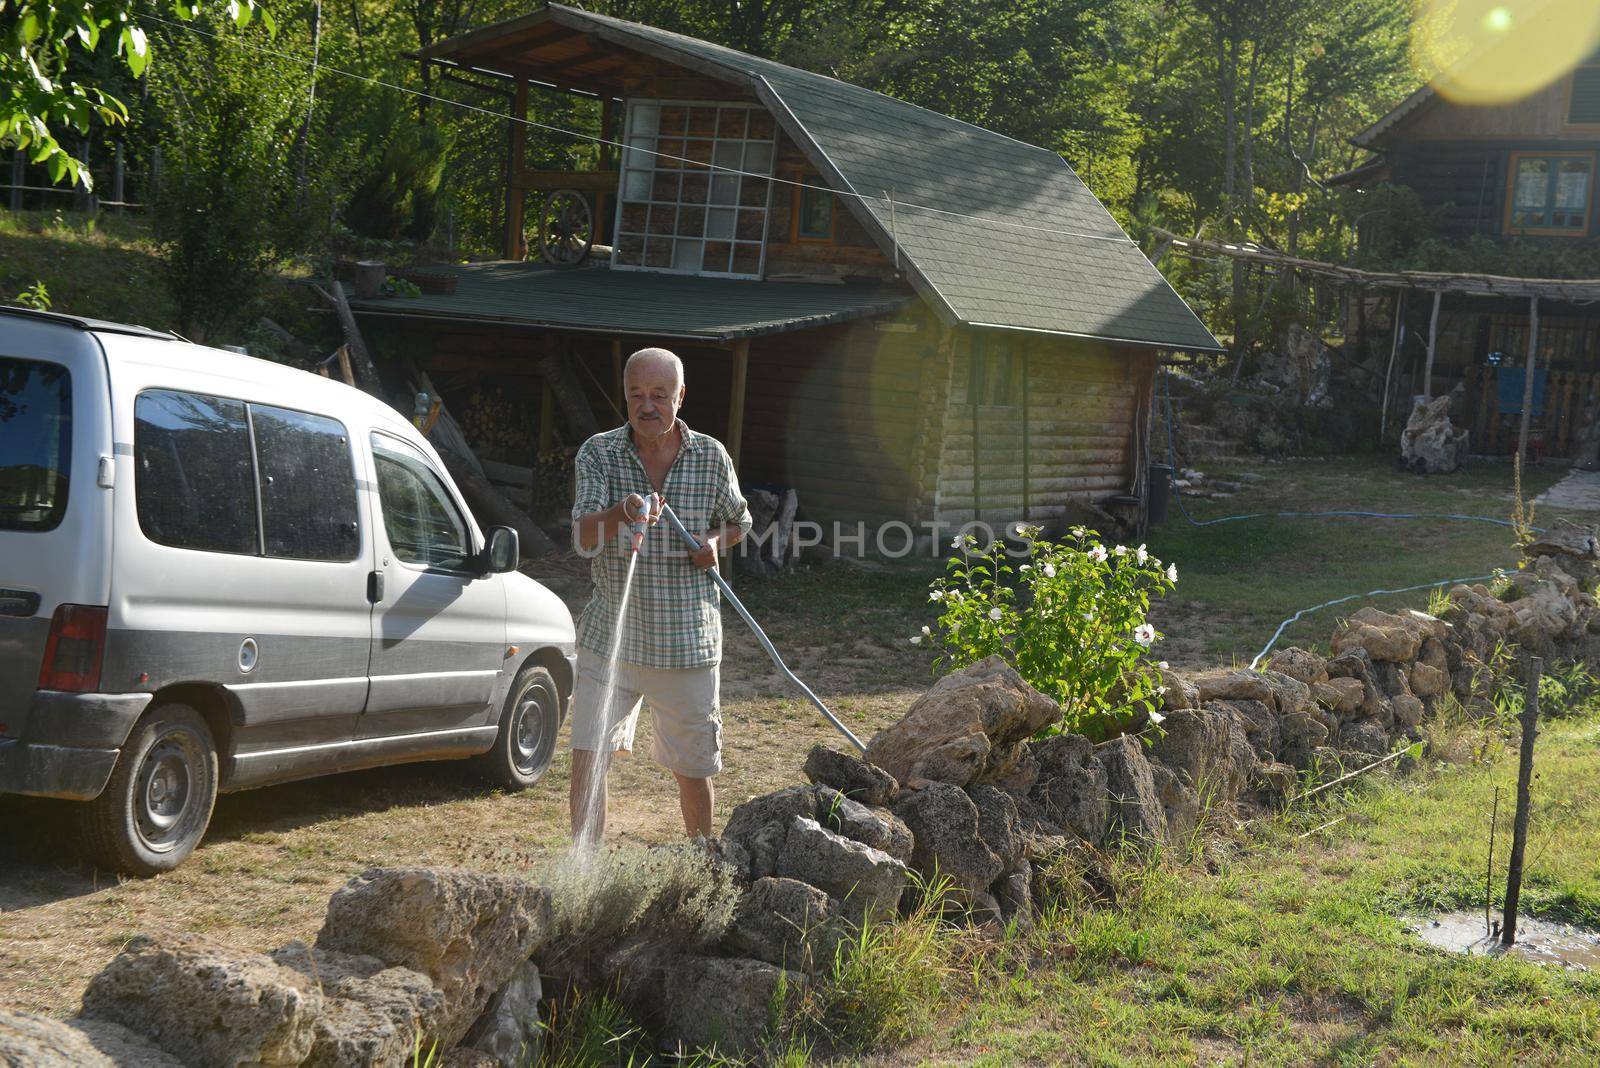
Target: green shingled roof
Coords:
[[993, 231], [646, 303]]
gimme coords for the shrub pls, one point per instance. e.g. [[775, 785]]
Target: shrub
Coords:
[[1072, 621]]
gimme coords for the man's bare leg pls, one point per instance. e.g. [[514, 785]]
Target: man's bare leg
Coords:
[[695, 798], [588, 810]]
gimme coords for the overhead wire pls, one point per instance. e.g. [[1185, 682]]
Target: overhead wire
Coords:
[[894, 204]]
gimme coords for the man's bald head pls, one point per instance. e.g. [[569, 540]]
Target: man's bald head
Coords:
[[653, 384], [655, 357]]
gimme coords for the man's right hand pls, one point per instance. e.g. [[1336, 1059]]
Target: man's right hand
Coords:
[[636, 507]]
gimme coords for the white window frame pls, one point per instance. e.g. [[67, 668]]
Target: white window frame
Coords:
[[629, 153]]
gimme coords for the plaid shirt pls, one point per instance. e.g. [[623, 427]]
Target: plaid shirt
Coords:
[[674, 619]]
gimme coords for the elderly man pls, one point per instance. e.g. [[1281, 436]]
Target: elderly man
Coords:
[[671, 641]]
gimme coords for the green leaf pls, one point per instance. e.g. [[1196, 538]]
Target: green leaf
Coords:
[[57, 165], [29, 28], [135, 50]]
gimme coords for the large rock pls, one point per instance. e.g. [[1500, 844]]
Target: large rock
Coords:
[[868, 881], [945, 822], [999, 824], [1071, 786], [722, 1003], [1231, 684], [1343, 697], [1565, 538], [1427, 680], [1136, 808], [969, 726], [1300, 734], [876, 827], [1210, 747], [466, 931], [28, 1040], [1180, 803], [510, 1030], [371, 1013], [1177, 691], [207, 1003], [1300, 664], [761, 824], [855, 779], [1430, 443], [788, 923], [1365, 736], [1392, 642], [1288, 694], [1358, 664], [1258, 721]]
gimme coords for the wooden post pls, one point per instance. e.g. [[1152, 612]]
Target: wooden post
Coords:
[[1529, 366], [741, 371], [514, 246], [1519, 830], [1433, 337], [616, 374], [1394, 347], [118, 186], [547, 418]]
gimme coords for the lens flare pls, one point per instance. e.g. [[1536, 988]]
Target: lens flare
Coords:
[[1502, 51]]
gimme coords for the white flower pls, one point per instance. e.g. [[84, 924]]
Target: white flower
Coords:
[[1172, 573], [1163, 665], [926, 633], [1121, 550], [1089, 616], [1025, 567], [1049, 570], [1162, 690], [916, 639], [934, 595], [1098, 554], [1141, 554], [994, 613], [1156, 718], [955, 542], [1145, 635]]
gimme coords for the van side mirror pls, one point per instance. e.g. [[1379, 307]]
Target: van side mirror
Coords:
[[502, 552]]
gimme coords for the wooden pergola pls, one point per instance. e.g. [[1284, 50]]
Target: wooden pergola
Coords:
[[1438, 283]]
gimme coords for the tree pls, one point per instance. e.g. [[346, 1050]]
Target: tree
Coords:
[[39, 97]]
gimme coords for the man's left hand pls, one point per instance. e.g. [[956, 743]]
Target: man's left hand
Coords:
[[705, 557]]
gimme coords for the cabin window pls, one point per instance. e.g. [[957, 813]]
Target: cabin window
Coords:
[[1583, 97], [994, 374], [813, 210], [694, 189], [1550, 193]]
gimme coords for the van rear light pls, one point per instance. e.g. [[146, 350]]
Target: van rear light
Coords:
[[74, 649]]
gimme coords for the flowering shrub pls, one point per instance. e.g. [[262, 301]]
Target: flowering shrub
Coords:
[[1071, 621]]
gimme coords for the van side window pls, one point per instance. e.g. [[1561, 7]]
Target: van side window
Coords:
[[35, 443], [195, 484], [423, 524], [308, 485]]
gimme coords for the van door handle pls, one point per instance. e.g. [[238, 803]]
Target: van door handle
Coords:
[[374, 587]]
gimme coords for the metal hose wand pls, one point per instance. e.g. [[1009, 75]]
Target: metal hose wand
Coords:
[[766, 643]]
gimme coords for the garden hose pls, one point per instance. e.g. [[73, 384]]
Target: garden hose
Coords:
[[766, 643]]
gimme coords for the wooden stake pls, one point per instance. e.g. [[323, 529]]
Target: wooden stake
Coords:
[[1488, 875], [1433, 336], [1394, 348], [736, 390], [1529, 366], [1519, 830]]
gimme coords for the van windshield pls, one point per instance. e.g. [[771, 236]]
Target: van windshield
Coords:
[[35, 443]]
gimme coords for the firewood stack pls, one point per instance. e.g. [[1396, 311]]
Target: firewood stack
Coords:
[[771, 548]]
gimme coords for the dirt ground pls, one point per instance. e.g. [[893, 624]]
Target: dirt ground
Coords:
[[273, 856]]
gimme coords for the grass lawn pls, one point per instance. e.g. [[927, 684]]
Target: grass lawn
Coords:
[[105, 267], [1277, 948]]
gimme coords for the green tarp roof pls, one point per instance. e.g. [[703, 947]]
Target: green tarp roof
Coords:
[[646, 303]]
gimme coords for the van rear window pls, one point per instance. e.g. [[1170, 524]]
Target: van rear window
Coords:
[[195, 474], [35, 443]]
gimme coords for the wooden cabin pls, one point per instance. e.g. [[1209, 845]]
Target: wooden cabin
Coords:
[[1519, 169], [902, 316]]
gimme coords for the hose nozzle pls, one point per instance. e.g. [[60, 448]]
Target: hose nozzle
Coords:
[[639, 524]]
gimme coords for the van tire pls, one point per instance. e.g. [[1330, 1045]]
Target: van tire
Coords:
[[156, 807], [526, 742]]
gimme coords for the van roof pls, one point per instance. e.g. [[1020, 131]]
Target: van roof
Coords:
[[85, 323]]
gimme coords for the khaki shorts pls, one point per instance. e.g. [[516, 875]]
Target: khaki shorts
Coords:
[[685, 710]]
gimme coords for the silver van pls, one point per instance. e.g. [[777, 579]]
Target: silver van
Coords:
[[218, 572]]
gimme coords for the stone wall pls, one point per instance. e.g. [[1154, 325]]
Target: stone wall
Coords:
[[959, 790]]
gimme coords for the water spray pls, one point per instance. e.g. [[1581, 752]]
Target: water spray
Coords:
[[761, 636]]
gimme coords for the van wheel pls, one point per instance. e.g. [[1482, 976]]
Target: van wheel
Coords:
[[156, 807], [528, 725]]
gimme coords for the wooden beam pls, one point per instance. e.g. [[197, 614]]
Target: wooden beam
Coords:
[[1433, 337], [616, 374], [514, 246], [1529, 366], [584, 181], [608, 119], [741, 371], [1394, 347]]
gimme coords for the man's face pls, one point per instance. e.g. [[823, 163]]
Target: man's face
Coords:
[[654, 397]]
